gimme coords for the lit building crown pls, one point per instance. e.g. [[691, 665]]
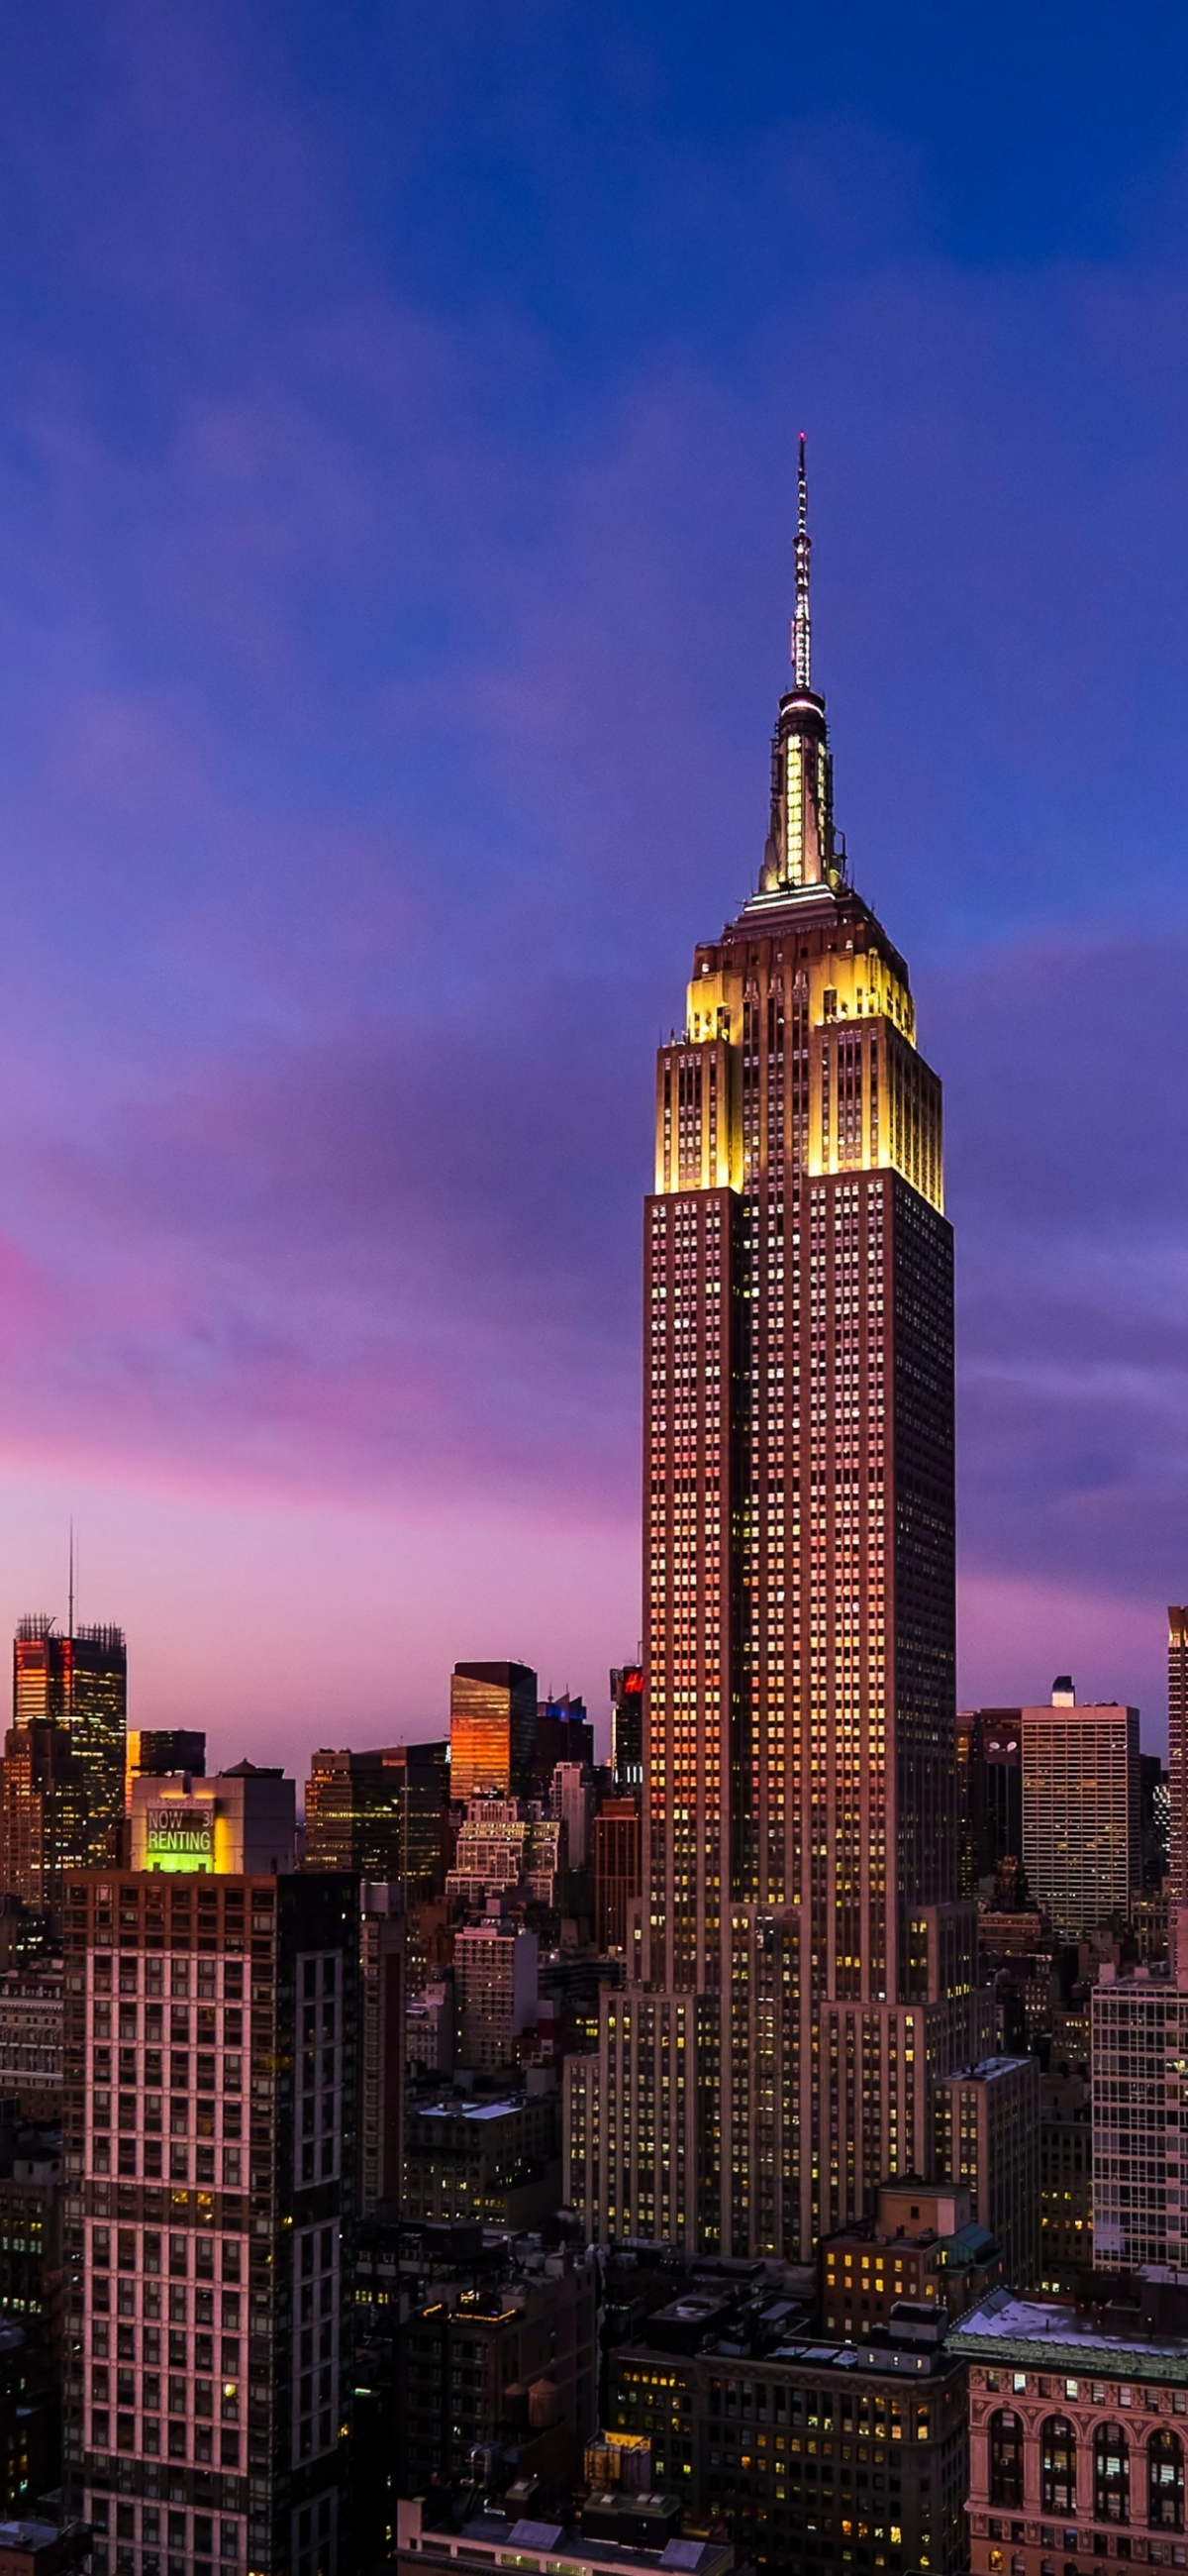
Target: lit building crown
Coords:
[[801, 853]]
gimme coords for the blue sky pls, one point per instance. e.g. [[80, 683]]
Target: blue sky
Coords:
[[397, 416]]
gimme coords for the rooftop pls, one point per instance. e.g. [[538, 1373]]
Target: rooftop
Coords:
[[1010, 2328], [988, 2067], [540, 2540], [457, 2106]]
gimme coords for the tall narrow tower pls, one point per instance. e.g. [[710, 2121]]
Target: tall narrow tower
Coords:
[[806, 1969]]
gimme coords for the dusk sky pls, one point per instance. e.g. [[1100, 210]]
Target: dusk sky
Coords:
[[397, 424]]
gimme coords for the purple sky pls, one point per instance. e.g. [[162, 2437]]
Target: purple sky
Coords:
[[395, 490]]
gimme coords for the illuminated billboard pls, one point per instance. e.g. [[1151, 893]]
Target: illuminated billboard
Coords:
[[179, 1837]]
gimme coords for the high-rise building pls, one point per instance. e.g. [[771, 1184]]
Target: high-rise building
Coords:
[[986, 2136], [44, 1826], [1140, 2113], [627, 1698], [379, 1814], [492, 1729], [616, 1870], [501, 1851], [495, 1973], [80, 1681], [571, 1796], [211, 2120], [381, 2025], [1081, 1809], [806, 1967], [1066, 2180], [31, 2001], [62, 1775], [1154, 1823], [563, 1734], [243, 1820], [990, 1790], [1177, 1748]]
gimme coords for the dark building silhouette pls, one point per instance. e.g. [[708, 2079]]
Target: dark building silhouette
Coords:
[[157, 1750], [616, 1870], [1154, 1822], [563, 1734], [380, 1814], [990, 1792], [627, 1699]]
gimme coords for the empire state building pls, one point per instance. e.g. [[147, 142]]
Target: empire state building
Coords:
[[804, 1973]]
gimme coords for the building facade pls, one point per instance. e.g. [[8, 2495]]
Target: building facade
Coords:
[[211, 2118], [1077, 2427], [380, 1815], [1066, 2181], [492, 1729], [156, 1750], [505, 1845], [806, 1967], [1140, 2118], [990, 1791], [616, 1870], [924, 2245], [495, 1986], [511, 2362], [80, 1681], [382, 2033], [31, 2001], [627, 1699], [62, 1778], [491, 2159], [1177, 1748], [816, 2455], [986, 2135], [44, 1827], [1081, 1810]]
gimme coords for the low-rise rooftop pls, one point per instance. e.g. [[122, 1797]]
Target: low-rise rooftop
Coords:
[[1009, 2328]]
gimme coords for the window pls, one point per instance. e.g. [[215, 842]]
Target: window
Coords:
[[1111, 2474], [1165, 2482], [1058, 2466], [1006, 2459]]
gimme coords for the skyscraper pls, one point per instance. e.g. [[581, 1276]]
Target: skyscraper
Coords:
[[492, 1729], [380, 1815], [62, 1776], [807, 1971], [627, 1689], [1177, 1748], [79, 1682], [1082, 1849], [989, 1792], [210, 2126], [1140, 2112]]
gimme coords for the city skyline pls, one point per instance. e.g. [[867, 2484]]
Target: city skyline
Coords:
[[318, 1275]]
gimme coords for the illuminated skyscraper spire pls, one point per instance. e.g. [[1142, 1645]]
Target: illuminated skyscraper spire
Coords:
[[802, 635], [800, 850]]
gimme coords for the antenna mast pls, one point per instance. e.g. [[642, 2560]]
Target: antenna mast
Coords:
[[801, 628]]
